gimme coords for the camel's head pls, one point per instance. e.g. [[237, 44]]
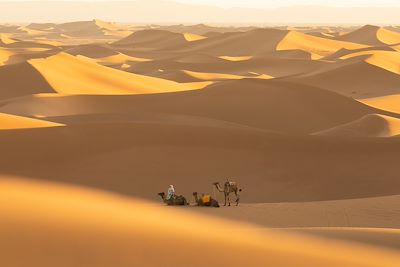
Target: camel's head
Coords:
[[194, 193], [162, 195], [216, 183]]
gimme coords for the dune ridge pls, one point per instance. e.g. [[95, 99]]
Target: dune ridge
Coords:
[[316, 46], [8, 121], [387, 102], [372, 125], [388, 60], [71, 75], [372, 35]]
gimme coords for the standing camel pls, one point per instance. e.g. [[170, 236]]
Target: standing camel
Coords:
[[229, 187]]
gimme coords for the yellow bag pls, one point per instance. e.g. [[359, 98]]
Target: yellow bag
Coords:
[[206, 198]]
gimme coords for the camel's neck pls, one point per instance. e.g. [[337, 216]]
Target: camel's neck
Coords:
[[219, 188], [196, 198], [163, 197]]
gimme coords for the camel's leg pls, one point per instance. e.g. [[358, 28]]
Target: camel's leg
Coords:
[[229, 201], [237, 198], [225, 199]]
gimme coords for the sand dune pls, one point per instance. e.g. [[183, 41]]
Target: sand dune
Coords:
[[191, 37], [153, 39], [6, 40], [316, 46], [119, 59], [355, 78], [363, 213], [92, 51], [222, 76], [123, 225], [242, 58], [21, 79], [388, 60], [5, 56], [236, 44], [198, 59], [8, 121], [388, 103], [259, 109], [71, 75], [375, 236], [284, 63], [91, 28], [373, 125], [124, 136], [372, 35]]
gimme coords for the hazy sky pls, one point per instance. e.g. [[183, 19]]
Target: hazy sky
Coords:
[[275, 3], [380, 12], [267, 3]]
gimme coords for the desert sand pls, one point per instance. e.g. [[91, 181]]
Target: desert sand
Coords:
[[98, 226], [96, 118]]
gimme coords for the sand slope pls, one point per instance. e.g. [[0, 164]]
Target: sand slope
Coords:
[[117, 231], [355, 78], [21, 79], [372, 35], [388, 60], [373, 125], [316, 46], [155, 39], [389, 102], [71, 75], [264, 104], [8, 121], [143, 154], [5, 56]]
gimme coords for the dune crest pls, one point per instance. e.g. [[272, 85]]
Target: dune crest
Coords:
[[8, 121], [223, 76], [373, 125], [389, 103], [191, 37], [372, 35], [6, 39], [241, 58], [318, 47], [388, 60], [73, 75], [5, 56]]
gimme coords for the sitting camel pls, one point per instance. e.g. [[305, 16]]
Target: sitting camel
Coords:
[[205, 201], [175, 201], [229, 187]]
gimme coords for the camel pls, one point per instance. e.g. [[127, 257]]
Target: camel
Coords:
[[176, 201], [229, 187], [200, 201]]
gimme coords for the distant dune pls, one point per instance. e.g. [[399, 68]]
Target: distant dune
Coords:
[[154, 39], [71, 75], [372, 35], [316, 46]]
